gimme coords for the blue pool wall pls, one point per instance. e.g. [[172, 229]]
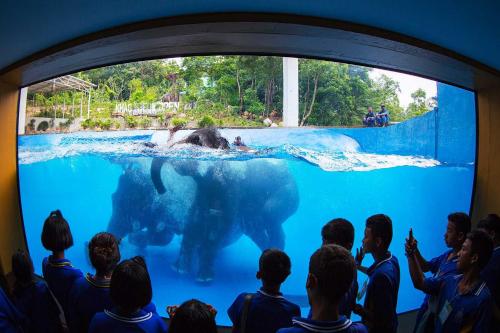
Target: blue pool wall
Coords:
[[447, 133]]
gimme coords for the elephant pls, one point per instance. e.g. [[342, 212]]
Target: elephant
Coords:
[[225, 200]]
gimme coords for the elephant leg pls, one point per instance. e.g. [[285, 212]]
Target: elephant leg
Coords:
[[216, 229], [265, 234]]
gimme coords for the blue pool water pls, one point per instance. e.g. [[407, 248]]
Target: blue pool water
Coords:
[[79, 173]]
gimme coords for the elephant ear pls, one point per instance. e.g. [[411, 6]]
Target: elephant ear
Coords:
[[156, 165]]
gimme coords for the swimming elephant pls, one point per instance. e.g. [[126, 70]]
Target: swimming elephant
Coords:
[[226, 199]]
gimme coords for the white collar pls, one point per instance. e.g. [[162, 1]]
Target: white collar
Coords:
[[323, 327], [140, 319]]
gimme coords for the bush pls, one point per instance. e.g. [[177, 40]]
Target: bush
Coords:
[[88, 123], [144, 122], [130, 121], [179, 122], [104, 124], [206, 121]]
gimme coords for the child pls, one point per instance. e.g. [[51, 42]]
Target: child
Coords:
[[491, 273], [459, 225], [90, 294], [57, 270], [341, 232], [193, 316], [331, 272], [379, 310], [11, 320], [130, 292], [267, 310], [464, 301], [32, 297]]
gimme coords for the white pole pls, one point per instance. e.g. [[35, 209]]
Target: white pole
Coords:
[[22, 111], [290, 92], [88, 105], [81, 106]]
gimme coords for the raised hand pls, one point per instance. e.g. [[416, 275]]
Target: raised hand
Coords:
[[360, 254]]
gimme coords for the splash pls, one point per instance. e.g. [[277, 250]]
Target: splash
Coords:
[[330, 152]]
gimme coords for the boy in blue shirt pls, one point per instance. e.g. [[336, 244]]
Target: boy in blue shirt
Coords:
[[90, 294], [464, 301], [11, 320], [130, 292], [267, 310], [32, 297], [379, 310], [57, 270], [340, 231], [491, 273], [459, 225], [331, 272]]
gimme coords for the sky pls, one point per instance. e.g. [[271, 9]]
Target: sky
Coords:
[[408, 84]]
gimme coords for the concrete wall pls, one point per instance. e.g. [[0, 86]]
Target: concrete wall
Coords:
[[447, 134]]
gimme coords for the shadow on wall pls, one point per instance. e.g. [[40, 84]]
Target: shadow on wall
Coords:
[[447, 133]]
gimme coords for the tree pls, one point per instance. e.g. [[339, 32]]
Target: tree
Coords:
[[418, 106]]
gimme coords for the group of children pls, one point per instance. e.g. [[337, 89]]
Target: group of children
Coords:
[[462, 295]]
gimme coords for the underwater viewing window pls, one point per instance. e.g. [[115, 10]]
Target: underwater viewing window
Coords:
[[121, 153]]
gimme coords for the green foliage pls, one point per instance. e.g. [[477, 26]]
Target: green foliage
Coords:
[[206, 121], [88, 123], [179, 122], [417, 107], [232, 90], [144, 122], [130, 121], [43, 126]]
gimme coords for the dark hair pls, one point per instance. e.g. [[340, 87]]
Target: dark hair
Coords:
[[56, 235], [334, 268], [381, 226], [104, 252], [490, 223], [275, 266], [131, 285], [482, 245], [22, 267], [338, 231], [193, 316], [461, 221]]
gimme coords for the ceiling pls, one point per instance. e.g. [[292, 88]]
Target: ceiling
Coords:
[[467, 28]]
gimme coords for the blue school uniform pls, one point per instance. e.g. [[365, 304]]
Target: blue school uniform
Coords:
[[266, 313], [441, 267], [88, 296], [60, 276], [10, 318], [342, 325], [382, 295], [470, 312], [491, 275], [36, 303], [142, 321]]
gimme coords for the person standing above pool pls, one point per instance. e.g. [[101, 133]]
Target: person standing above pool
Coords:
[[464, 301], [331, 273], [382, 116], [267, 310], [459, 224], [379, 310], [491, 273]]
